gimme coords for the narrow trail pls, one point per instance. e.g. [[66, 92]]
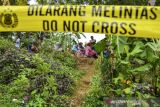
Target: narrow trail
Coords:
[[83, 85]]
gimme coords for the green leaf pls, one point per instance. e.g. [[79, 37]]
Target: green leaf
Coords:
[[125, 62], [155, 45], [144, 103], [118, 91], [139, 61], [143, 68], [100, 46], [127, 90], [33, 92], [126, 49], [136, 50], [120, 77]]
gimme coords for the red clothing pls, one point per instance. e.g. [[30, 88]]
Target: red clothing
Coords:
[[89, 52]]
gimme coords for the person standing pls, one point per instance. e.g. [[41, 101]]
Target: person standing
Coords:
[[18, 42], [74, 49], [92, 41], [106, 52]]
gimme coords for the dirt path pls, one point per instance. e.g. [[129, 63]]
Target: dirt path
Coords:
[[83, 85]]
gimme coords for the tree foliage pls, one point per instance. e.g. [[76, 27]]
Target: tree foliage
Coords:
[[98, 2]]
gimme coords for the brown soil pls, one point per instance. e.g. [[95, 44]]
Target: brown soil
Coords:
[[83, 85]]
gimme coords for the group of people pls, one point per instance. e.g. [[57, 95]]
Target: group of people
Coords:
[[88, 50], [33, 47], [78, 49]]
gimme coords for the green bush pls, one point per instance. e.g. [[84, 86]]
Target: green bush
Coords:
[[35, 79]]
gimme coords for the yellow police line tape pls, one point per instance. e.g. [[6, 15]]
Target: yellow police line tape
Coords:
[[134, 21]]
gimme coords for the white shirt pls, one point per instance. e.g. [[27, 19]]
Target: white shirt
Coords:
[[18, 43]]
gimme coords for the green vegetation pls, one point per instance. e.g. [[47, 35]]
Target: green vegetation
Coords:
[[132, 71], [42, 79], [47, 78]]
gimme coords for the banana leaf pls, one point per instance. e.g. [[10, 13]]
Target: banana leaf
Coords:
[[143, 68], [100, 46]]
